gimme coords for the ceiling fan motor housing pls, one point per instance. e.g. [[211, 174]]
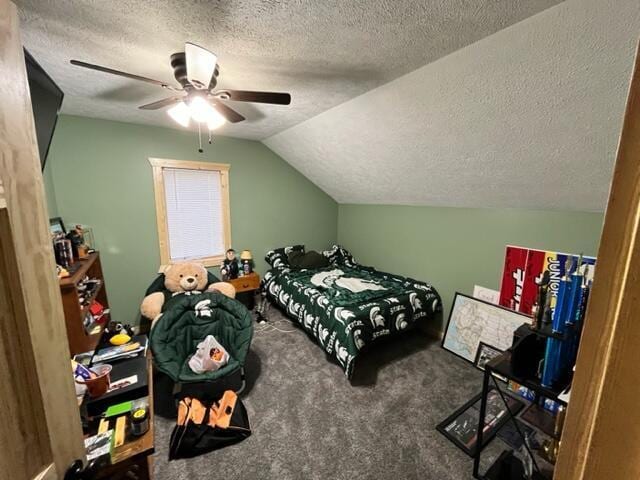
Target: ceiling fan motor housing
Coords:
[[179, 65]]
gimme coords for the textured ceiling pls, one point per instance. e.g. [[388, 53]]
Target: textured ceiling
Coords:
[[322, 52], [527, 117]]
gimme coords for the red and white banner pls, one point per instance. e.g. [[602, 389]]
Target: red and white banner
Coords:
[[523, 268]]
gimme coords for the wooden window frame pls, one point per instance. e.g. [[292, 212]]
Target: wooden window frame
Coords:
[[158, 165]]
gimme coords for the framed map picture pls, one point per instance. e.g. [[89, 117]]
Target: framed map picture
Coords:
[[472, 321]]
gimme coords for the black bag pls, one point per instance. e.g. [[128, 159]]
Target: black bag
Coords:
[[203, 428]]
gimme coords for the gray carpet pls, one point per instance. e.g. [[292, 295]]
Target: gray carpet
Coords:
[[309, 422]]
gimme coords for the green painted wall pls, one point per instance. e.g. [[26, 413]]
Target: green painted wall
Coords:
[[50, 190], [97, 173], [102, 178], [456, 248]]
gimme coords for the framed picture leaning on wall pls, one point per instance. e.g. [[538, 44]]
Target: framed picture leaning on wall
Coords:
[[484, 354], [472, 321]]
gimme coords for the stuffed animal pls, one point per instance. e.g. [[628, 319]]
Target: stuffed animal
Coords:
[[118, 333], [182, 278]]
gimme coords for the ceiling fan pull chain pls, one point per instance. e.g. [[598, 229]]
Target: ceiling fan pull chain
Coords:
[[199, 139], [209, 137]]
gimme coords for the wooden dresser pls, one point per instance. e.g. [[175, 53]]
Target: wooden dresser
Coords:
[[83, 338]]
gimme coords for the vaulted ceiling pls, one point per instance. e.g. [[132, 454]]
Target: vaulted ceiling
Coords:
[[488, 103], [528, 117]]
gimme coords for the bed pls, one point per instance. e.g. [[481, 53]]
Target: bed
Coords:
[[346, 306]]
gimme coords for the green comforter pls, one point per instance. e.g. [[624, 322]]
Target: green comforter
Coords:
[[346, 306], [186, 320]]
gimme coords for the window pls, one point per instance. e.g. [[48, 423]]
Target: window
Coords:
[[192, 210]]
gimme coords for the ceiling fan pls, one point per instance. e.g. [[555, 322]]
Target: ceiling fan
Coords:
[[196, 70]]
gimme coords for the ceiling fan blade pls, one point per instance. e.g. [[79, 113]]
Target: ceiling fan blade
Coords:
[[227, 112], [99, 68], [201, 65], [258, 97], [161, 103]]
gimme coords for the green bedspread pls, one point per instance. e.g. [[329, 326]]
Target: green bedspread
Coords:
[[346, 306]]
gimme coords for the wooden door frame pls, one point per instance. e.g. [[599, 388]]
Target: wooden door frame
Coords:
[[33, 267], [601, 437]]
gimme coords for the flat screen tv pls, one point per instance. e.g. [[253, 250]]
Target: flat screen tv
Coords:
[[46, 100]]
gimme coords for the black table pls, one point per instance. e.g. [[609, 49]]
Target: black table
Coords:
[[501, 366]]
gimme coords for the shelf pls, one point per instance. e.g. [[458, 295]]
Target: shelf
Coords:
[[101, 324], [546, 331], [85, 309], [80, 340], [78, 273], [502, 366], [540, 419], [494, 473]]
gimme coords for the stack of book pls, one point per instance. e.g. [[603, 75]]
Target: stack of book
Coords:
[[134, 348]]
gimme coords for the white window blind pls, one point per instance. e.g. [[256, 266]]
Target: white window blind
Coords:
[[195, 223]]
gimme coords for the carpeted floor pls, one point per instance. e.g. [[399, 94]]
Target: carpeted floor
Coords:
[[309, 422]]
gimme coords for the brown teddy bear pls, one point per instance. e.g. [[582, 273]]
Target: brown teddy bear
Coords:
[[182, 277]]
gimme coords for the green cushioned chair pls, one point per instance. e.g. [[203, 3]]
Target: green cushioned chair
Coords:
[[185, 322]]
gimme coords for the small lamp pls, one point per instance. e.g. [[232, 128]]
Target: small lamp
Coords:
[[246, 259]]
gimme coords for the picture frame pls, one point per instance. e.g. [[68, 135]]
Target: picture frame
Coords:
[[486, 322], [461, 426], [486, 294], [486, 353], [56, 226]]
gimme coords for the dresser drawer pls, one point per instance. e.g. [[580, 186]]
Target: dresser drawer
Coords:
[[246, 283]]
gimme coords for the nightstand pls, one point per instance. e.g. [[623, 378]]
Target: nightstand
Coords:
[[246, 288]]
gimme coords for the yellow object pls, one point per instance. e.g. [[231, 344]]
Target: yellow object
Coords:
[[120, 339], [121, 422], [246, 255], [104, 425]]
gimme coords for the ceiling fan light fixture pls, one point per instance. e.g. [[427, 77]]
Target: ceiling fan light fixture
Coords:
[[181, 113], [201, 109], [203, 112], [215, 120]]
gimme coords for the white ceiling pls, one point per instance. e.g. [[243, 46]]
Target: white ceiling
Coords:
[[322, 52], [528, 117]]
